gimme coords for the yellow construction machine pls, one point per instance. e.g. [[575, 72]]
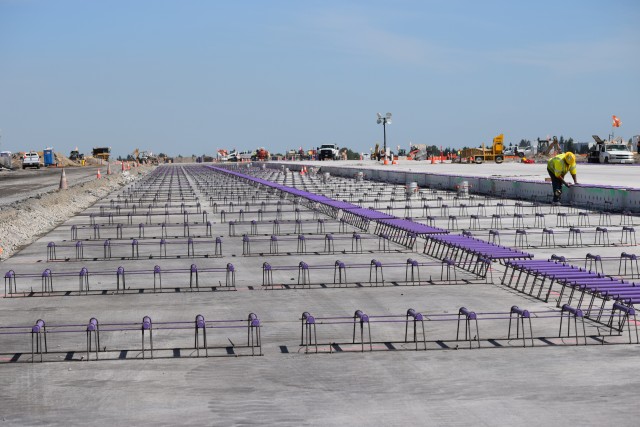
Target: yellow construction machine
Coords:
[[479, 155], [102, 153]]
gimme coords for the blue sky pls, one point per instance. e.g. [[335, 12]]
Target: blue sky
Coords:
[[188, 77]]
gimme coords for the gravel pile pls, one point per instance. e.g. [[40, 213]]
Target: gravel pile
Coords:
[[24, 221]]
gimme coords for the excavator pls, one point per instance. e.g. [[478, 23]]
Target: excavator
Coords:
[[547, 146]]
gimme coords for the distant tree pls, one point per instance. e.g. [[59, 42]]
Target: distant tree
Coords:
[[524, 143], [568, 144], [351, 155], [584, 149]]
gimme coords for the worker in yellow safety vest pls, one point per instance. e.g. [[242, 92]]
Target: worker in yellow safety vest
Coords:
[[558, 167]]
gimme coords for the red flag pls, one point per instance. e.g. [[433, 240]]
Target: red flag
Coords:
[[616, 122]]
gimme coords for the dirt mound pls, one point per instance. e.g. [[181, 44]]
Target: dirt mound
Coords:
[[90, 160], [63, 160]]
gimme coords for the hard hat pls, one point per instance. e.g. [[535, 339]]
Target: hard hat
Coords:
[[570, 158]]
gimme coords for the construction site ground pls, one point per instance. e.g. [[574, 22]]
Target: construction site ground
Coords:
[[549, 381], [21, 184]]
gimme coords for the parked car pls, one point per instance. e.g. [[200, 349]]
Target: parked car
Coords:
[[31, 159]]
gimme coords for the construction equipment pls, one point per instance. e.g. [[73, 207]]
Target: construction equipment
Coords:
[[75, 155], [144, 157], [223, 155], [102, 153], [260, 154], [419, 152], [147, 157], [547, 146], [377, 154], [479, 155], [233, 156]]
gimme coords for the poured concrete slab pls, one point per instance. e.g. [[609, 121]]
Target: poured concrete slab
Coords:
[[502, 383]]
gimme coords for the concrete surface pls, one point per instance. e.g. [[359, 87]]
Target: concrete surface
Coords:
[[502, 383], [596, 174]]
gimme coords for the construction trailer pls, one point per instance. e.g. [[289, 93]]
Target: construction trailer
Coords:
[[479, 155]]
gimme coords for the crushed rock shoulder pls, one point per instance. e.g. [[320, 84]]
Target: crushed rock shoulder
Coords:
[[24, 221]]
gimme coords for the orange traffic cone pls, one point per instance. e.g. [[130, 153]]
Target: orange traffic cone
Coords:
[[109, 168], [122, 164], [394, 161], [63, 181], [98, 176], [386, 161], [433, 160]]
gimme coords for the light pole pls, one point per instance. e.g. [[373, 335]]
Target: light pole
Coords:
[[385, 120]]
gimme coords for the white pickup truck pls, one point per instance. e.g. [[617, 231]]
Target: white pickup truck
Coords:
[[610, 153], [328, 151], [31, 159]]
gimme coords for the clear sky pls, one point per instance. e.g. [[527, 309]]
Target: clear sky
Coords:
[[188, 77]]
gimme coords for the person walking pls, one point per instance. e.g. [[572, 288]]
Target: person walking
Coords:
[[558, 167]]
